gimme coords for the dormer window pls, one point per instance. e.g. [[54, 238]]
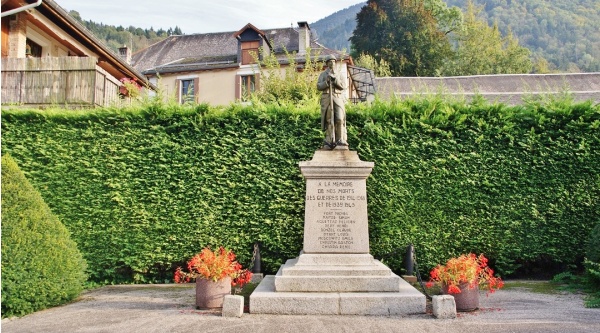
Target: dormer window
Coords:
[[250, 40], [249, 52]]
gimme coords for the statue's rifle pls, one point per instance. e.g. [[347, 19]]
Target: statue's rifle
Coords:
[[331, 113]]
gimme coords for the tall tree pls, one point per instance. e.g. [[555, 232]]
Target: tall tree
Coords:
[[404, 33], [481, 49]]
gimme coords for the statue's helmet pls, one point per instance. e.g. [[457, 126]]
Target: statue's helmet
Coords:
[[329, 58]]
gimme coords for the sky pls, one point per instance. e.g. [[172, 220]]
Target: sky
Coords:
[[203, 16]]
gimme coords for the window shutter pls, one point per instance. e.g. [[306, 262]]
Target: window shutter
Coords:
[[238, 88], [257, 82], [178, 90], [196, 89]]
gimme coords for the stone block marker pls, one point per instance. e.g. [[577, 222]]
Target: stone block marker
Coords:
[[444, 306], [233, 306]]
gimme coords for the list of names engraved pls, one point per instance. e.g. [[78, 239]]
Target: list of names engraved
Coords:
[[336, 216]]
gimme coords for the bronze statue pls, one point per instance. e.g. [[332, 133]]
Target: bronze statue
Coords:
[[333, 112]]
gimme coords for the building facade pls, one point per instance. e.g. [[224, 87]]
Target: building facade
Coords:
[[220, 68], [48, 58]]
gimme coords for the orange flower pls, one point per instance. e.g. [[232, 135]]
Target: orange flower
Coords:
[[214, 266], [466, 269]]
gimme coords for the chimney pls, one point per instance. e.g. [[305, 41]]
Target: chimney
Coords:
[[125, 54], [304, 37]]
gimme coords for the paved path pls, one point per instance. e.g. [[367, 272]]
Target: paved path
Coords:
[[169, 308]]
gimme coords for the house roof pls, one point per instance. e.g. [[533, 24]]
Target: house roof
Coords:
[[248, 26], [511, 89], [107, 59], [184, 53]]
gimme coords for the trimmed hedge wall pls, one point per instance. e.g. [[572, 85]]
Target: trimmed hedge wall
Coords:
[[41, 266], [143, 190]]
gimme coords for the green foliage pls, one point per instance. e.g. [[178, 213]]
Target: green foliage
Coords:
[[292, 87], [41, 266], [592, 268], [337, 28], [414, 39], [404, 33], [381, 68], [566, 33], [116, 37], [143, 190], [481, 49], [593, 245], [562, 36]]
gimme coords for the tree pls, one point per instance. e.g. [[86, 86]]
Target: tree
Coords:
[[404, 33], [481, 49], [381, 68], [75, 14], [288, 85]]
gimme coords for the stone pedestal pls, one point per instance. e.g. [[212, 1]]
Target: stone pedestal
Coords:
[[334, 273]]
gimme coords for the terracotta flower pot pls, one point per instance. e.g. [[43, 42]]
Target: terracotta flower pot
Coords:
[[210, 294], [467, 300]]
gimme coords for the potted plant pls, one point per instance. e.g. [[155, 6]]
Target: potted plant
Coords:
[[462, 276], [215, 272]]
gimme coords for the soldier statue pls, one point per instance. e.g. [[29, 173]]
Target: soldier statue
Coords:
[[333, 113]]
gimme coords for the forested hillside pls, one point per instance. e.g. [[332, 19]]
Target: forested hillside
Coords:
[[334, 30], [565, 33], [135, 38]]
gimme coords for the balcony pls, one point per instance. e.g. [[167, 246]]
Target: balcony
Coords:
[[74, 82]]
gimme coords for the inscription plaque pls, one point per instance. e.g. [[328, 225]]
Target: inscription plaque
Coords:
[[336, 214]]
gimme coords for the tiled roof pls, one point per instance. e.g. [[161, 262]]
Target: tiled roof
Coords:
[[210, 51]]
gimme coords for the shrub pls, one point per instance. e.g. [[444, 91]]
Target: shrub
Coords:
[[142, 191], [593, 245], [41, 266]]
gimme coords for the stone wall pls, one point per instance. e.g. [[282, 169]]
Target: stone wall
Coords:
[[505, 88]]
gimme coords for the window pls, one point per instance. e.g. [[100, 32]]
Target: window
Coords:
[[32, 49], [248, 86], [187, 91], [245, 84], [249, 52]]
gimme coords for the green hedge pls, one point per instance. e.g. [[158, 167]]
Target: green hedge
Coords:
[[41, 266], [143, 190]]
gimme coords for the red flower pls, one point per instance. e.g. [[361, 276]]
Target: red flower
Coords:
[[466, 269], [452, 289], [214, 266]]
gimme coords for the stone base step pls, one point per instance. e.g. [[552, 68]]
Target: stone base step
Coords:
[[337, 283], [335, 273], [375, 268], [265, 300]]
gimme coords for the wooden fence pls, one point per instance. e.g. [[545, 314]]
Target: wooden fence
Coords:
[[71, 81]]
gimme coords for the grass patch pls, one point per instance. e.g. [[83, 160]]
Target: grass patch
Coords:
[[540, 287], [581, 284]]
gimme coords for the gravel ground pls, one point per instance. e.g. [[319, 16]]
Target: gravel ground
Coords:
[[169, 308]]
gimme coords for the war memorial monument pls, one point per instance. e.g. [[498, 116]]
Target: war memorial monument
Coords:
[[335, 273]]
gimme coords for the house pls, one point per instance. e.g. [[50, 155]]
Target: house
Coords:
[[48, 58], [220, 68]]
